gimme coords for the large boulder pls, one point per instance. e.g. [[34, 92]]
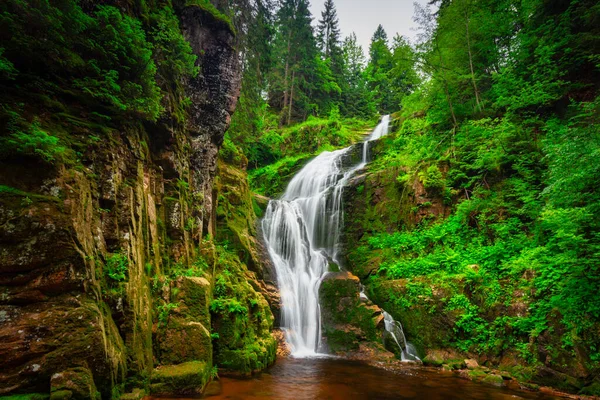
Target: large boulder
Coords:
[[346, 320]]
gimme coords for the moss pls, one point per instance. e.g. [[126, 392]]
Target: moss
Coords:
[[184, 340], [591, 390], [341, 341], [241, 319], [9, 191], [346, 320], [61, 395], [26, 396], [183, 379], [476, 374], [493, 379], [74, 383], [250, 359], [210, 9], [136, 394]]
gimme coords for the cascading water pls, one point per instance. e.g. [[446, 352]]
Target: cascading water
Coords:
[[301, 231], [409, 353]]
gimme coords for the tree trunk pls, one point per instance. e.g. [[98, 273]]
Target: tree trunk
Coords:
[[285, 78], [289, 116], [477, 100], [446, 91]]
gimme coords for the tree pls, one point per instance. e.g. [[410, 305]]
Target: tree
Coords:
[[403, 76], [380, 64], [328, 35], [357, 100], [301, 82]]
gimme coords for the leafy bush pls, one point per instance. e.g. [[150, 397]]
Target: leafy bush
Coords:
[[116, 266], [34, 141]]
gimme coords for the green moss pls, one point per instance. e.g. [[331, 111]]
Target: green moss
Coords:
[[241, 320], [346, 320], [341, 341], [61, 395], [183, 379], [591, 390], [493, 379], [26, 396], [210, 9], [9, 191], [74, 383]]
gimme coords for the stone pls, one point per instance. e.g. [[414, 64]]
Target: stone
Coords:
[[493, 379], [346, 320], [74, 383], [188, 378], [135, 394], [471, 363], [183, 341]]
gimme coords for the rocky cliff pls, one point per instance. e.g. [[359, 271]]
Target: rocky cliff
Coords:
[[108, 264]]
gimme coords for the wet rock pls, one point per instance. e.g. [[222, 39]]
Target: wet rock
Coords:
[[283, 347], [135, 394], [471, 363], [188, 378], [346, 320], [493, 379], [73, 383]]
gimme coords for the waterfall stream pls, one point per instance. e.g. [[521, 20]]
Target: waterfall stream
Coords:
[[301, 230]]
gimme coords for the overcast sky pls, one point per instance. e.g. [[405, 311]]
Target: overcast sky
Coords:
[[363, 16]]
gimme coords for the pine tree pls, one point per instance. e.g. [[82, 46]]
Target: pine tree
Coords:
[[357, 100], [380, 64], [328, 30], [299, 77]]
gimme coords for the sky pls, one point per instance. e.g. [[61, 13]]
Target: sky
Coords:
[[363, 16]]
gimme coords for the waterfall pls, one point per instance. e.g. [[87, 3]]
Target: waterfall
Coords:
[[409, 353], [301, 230]]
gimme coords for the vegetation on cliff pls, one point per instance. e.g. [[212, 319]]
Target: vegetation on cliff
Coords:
[[475, 225]]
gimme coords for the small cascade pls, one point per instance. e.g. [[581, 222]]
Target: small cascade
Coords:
[[302, 231], [381, 130], [409, 352]]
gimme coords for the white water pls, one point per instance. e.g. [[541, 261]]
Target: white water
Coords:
[[409, 353], [302, 231]]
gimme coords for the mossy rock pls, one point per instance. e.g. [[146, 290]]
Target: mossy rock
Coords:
[[545, 376], [346, 320], [74, 383], [26, 396], [62, 395], [250, 359], [591, 390], [340, 341], [493, 379], [185, 341], [135, 394], [194, 296], [241, 320], [188, 378]]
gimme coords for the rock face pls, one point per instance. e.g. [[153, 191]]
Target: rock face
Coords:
[[346, 320], [84, 252]]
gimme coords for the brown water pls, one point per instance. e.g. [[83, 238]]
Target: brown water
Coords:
[[338, 379]]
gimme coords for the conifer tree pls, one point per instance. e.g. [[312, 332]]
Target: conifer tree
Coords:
[[328, 30]]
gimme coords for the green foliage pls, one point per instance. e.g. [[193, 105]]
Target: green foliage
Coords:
[[65, 66], [504, 134], [207, 6], [164, 310], [35, 142], [172, 52], [116, 266]]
